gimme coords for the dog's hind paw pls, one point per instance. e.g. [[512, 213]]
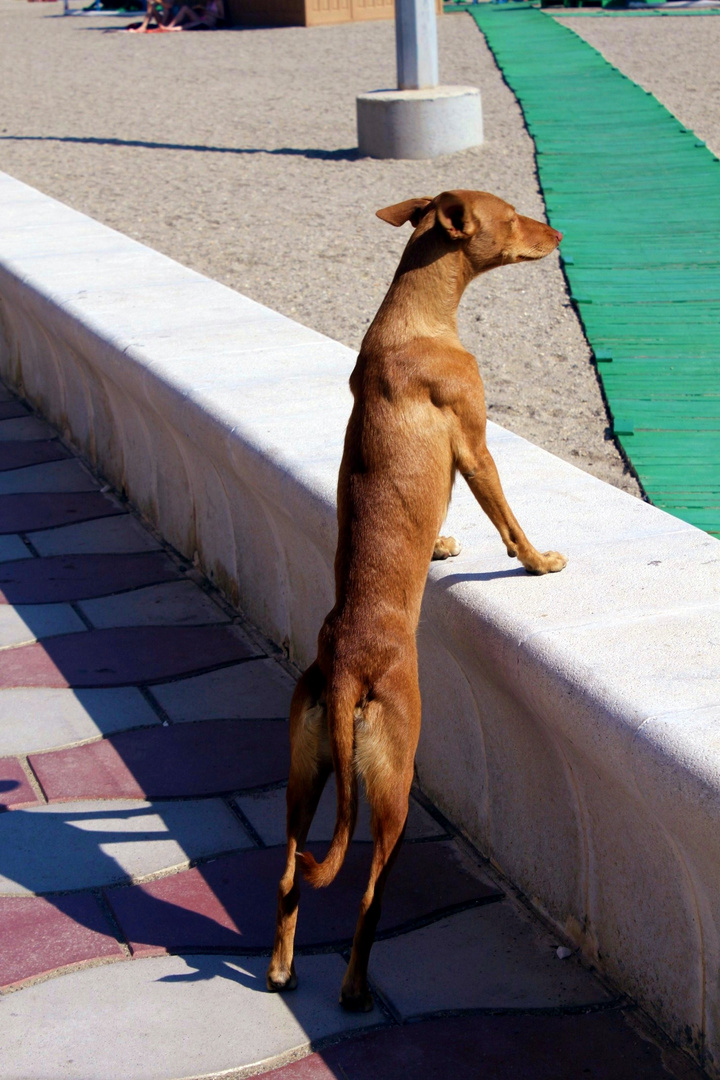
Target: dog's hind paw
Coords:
[[362, 1002], [279, 982], [445, 546]]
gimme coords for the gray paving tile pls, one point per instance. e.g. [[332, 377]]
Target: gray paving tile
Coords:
[[38, 719], [68, 475], [116, 534], [266, 813], [258, 689], [84, 844], [28, 622], [170, 1016], [12, 548], [490, 957], [180, 603], [24, 428]]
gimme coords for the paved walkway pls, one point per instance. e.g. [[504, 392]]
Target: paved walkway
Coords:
[[143, 757]]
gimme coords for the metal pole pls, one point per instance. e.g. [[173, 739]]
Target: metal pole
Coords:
[[416, 44]]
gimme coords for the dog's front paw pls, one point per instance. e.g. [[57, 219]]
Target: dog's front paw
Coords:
[[547, 563], [445, 546]]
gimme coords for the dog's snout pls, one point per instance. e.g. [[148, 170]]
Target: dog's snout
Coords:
[[558, 234]]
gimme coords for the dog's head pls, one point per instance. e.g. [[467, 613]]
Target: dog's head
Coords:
[[489, 230]]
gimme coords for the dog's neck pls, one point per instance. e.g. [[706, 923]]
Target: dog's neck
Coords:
[[423, 299]]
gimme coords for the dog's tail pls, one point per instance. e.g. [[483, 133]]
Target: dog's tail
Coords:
[[341, 704]]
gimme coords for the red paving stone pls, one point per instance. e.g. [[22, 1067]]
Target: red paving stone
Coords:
[[18, 455], [10, 409], [229, 903], [594, 1046], [79, 577], [41, 934], [182, 760], [121, 656], [27, 513], [15, 789]]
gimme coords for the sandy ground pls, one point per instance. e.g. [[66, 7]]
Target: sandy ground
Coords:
[[233, 152]]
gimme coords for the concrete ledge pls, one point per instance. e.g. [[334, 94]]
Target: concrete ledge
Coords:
[[419, 124], [571, 723]]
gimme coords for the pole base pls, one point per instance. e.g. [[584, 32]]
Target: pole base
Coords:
[[419, 123]]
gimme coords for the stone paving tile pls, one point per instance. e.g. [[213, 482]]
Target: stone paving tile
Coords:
[[178, 761], [41, 935], [486, 958], [12, 548], [261, 689], [28, 622], [11, 408], [117, 535], [81, 845], [15, 788], [230, 903], [590, 1046], [25, 428], [21, 454], [25, 513], [169, 1016], [266, 813], [56, 476], [178, 603], [122, 656], [40, 719], [69, 577]]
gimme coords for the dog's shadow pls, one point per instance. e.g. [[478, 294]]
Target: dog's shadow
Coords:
[[203, 967], [445, 581]]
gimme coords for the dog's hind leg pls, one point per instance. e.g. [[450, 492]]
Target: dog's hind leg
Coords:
[[386, 739], [310, 767]]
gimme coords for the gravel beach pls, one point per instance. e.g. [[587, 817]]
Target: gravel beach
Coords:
[[233, 152]]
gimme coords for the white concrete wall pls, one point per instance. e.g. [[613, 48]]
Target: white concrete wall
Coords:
[[571, 722]]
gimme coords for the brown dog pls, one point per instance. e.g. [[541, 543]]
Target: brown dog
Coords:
[[418, 418]]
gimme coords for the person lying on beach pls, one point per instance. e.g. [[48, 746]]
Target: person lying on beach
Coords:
[[207, 15], [162, 11]]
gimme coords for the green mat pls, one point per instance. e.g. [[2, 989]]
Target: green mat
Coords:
[[637, 196], [571, 11]]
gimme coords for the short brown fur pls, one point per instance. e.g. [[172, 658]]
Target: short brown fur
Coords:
[[418, 418]]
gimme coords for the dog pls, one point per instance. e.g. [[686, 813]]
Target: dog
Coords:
[[418, 419]]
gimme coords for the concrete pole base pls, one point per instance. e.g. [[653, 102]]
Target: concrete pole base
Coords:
[[419, 123]]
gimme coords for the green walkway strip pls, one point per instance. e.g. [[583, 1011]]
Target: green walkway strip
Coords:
[[570, 11], [632, 13], [637, 196]]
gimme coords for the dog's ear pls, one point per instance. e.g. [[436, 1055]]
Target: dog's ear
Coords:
[[455, 215], [412, 210]]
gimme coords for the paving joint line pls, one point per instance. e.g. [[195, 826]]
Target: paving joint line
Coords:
[[29, 545], [80, 614], [32, 779], [155, 705], [109, 916], [244, 820]]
